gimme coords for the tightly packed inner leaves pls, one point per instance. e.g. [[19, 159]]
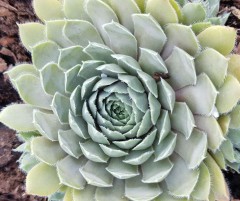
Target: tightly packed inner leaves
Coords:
[[127, 100]]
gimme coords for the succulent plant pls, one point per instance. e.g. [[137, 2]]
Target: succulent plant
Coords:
[[127, 100]]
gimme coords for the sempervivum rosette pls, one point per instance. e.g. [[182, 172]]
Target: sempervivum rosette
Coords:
[[127, 100]]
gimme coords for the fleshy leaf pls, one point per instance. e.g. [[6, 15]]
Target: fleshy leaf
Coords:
[[53, 11], [213, 64], [50, 85], [182, 119], [47, 124], [197, 143], [220, 38], [60, 106], [166, 147], [124, 11], [96, 8], [162, 11], [181, 69], [76, 29], [193, 12], [69, 142], [88, 193], [93, 152], [233, 65], [138, 191], [166, 95], [96, 174], [68, 172], [122, 170], [229, 95], [163, 125], [235, 117], [46, 184], [211, 127], [100, 52], [23, 117], [47, 151], [151, 62], [74, 9], [31, 91], [219, 186], [121, 40], [193, 96], [31, 34], [78, 125], [116, 193], [45, 53], [143, 24], [174, 179], [138, 157], [54, 30], [202, 189], [72, 56], [155, 172], [175, 33]]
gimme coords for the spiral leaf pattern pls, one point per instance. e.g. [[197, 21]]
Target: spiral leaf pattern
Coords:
[[127, 100]]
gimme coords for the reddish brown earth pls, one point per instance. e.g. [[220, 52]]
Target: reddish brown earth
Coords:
[[11, 53]]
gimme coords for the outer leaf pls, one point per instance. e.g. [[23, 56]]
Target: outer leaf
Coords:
[[96, 8], [174, 179], [229, 95], [53, 11], [81, 32], [219, 186], [20, 70], [60, 106], [182, 119], [47, 151], [44, 53], [44, 185], [121, 40], [211, 127], [122, 170], [116, 193], [55, 32], [138, 191], [220, 38], [87, 194], [31, 34], [192, 95], [96, 174], [175, 33], [213, 64], [47, 124], [181, 69], [202, 189], [23, 117], [31, 91], [144, 23], [69, 142], [74, 9], [193, 12], [124, 11], [155, 172], [68, 172], [197, 143], [162, 11], [50, 85], [233, 65]]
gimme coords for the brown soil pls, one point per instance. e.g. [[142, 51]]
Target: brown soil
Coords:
[[11, 53]]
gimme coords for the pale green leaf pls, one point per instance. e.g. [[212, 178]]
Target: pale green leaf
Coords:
[[42, 180], [18, 117]]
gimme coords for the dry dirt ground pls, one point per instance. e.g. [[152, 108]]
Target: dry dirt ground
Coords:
[[11, 53]]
